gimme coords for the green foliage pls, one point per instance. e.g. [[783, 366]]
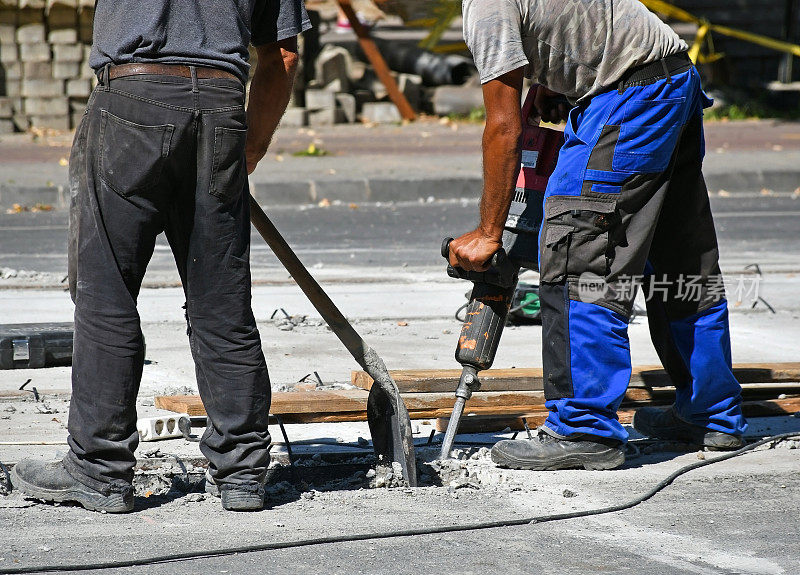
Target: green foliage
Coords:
[[311, 151], [476, 115], [749, 110]]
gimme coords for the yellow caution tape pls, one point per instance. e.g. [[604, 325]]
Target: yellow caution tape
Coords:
[[705, 27]]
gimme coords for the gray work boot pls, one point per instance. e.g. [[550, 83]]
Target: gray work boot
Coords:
[[50, 481], [665, 423], [240, 497], [547, 453]]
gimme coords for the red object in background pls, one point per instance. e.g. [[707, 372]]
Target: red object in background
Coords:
[[539, 147]]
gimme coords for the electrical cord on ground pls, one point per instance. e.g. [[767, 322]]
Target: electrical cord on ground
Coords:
[[160, 559]]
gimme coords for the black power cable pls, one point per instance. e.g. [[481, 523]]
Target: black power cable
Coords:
[[399, 532]]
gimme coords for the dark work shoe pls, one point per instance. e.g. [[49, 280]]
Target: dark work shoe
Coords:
[[50, 481], [247, 497], [665, 423], [242, 497], [547, 453]]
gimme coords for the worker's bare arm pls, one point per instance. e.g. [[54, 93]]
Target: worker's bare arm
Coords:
[[270, 91], [501, 96]]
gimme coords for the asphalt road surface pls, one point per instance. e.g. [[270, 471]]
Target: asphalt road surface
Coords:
[[752, 229]]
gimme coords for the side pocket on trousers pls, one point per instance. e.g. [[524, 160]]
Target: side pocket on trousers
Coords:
[[132, 155], [575, 237], [647, 137], [228, 170]]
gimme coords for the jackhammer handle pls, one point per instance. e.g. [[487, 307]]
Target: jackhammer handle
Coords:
[[497, 259], [446, 248], [501, 271]]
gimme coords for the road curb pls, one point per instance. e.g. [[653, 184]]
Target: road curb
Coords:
[[366, 190], [382, 189], [28, 196]]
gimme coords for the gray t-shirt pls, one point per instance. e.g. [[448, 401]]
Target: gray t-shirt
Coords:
[[574, 47], [212, 33]]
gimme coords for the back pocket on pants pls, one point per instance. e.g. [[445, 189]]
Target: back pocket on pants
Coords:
[[228, 168], [132, 155]]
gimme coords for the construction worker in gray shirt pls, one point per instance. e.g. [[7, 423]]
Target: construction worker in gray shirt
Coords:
[[166, 145], [626, 206]]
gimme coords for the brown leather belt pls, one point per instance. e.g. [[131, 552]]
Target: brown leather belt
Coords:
[[183, 71]]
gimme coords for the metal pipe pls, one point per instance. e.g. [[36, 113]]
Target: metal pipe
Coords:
[[466, 384]]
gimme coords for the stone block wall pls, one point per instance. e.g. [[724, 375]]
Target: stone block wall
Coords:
[[45, 79]]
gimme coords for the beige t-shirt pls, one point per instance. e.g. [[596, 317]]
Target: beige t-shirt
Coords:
[[574, 47]]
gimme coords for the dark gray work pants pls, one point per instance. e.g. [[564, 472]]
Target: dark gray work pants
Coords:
[[163, 154]]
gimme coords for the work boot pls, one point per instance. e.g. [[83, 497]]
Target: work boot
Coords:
[[50, 481], [237, 497], [547, 453], [665, 423]]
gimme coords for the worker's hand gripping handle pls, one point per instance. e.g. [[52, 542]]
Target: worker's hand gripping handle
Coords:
[[502, 272]]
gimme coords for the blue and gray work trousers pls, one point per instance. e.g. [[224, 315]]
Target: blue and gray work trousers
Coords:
[[627, 206]]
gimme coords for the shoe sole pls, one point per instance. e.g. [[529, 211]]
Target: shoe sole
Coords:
[[587, 461], [242, 501], [93, 501]]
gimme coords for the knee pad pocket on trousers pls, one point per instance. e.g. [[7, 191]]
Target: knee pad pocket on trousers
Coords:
[[575, 237]]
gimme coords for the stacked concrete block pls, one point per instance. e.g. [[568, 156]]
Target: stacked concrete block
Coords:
[[324, 109], [45, 79], [6, 115], [85, 26]]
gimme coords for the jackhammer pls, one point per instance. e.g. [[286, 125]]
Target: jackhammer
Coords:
[[493, 290]]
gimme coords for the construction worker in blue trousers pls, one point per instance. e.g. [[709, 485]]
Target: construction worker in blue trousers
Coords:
[[625, 208]]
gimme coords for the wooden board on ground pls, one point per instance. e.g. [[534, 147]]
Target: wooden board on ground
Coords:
[[530, 379], [313, 402], [350, 405], [490, 423], [345, 402]]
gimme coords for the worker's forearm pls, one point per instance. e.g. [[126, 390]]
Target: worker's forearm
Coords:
[[500, 166], [270, 92]]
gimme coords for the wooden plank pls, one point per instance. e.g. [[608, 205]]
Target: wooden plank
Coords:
[[350, 405], [190, 404], [488, 400], [299, 402], [530, 379], [378, 63], [446, 380], [491, 423], [354, 401]]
